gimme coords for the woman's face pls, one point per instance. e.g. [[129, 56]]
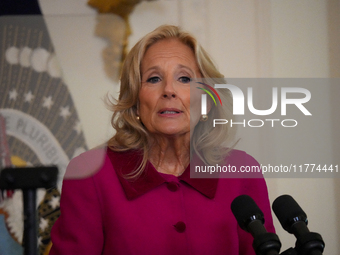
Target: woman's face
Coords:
[[164, 97]]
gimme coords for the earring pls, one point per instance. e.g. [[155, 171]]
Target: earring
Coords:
[[204, 117], [137, 118]]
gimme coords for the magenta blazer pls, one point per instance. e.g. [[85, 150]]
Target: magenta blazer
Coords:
[[159, 214]]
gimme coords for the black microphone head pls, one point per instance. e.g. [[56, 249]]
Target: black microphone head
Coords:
[[245, 211], [288, 212]]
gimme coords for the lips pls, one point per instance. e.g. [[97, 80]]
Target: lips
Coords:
[[170, 111]]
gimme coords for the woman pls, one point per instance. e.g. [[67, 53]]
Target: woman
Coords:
[[136, 196]]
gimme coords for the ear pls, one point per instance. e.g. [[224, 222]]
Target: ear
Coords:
[[137, 109]]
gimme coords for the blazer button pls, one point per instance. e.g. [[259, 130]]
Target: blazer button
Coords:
[[173, 186], [180, 226]]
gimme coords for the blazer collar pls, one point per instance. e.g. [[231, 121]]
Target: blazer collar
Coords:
[[126, 162]]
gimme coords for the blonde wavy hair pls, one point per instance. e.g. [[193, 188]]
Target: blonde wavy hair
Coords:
[[207, 142]]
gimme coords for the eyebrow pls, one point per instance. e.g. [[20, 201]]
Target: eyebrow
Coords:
[[151, 68], [185, 67], [178, 67]]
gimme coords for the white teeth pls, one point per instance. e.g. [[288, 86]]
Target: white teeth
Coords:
[[169, 112]]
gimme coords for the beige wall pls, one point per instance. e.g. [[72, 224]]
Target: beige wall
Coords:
[[246, 38]]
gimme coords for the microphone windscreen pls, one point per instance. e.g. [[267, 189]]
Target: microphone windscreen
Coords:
[[288, 211], [246, 210]]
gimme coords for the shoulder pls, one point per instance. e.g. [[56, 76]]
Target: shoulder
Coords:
[[90, 162], [86, 164], [242, 165], [241, 157]]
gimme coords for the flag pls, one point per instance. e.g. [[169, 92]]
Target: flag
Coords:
[[40, 124]]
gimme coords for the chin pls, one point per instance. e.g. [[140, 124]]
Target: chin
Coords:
[[174, 132], [177, 134]]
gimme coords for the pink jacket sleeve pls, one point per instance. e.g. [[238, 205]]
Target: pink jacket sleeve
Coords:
[[79, 229]]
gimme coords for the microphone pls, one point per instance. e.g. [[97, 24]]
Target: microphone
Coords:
[[250, 218], [294, 220]]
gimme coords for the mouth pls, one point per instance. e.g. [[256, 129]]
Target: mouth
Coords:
[[169, 111]]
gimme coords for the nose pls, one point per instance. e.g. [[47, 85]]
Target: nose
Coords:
[[169, 89]]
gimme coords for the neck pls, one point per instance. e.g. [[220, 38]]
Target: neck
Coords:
[[170, 155]]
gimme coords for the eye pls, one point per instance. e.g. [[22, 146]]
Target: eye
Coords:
[[153, 79], [184, 79]]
